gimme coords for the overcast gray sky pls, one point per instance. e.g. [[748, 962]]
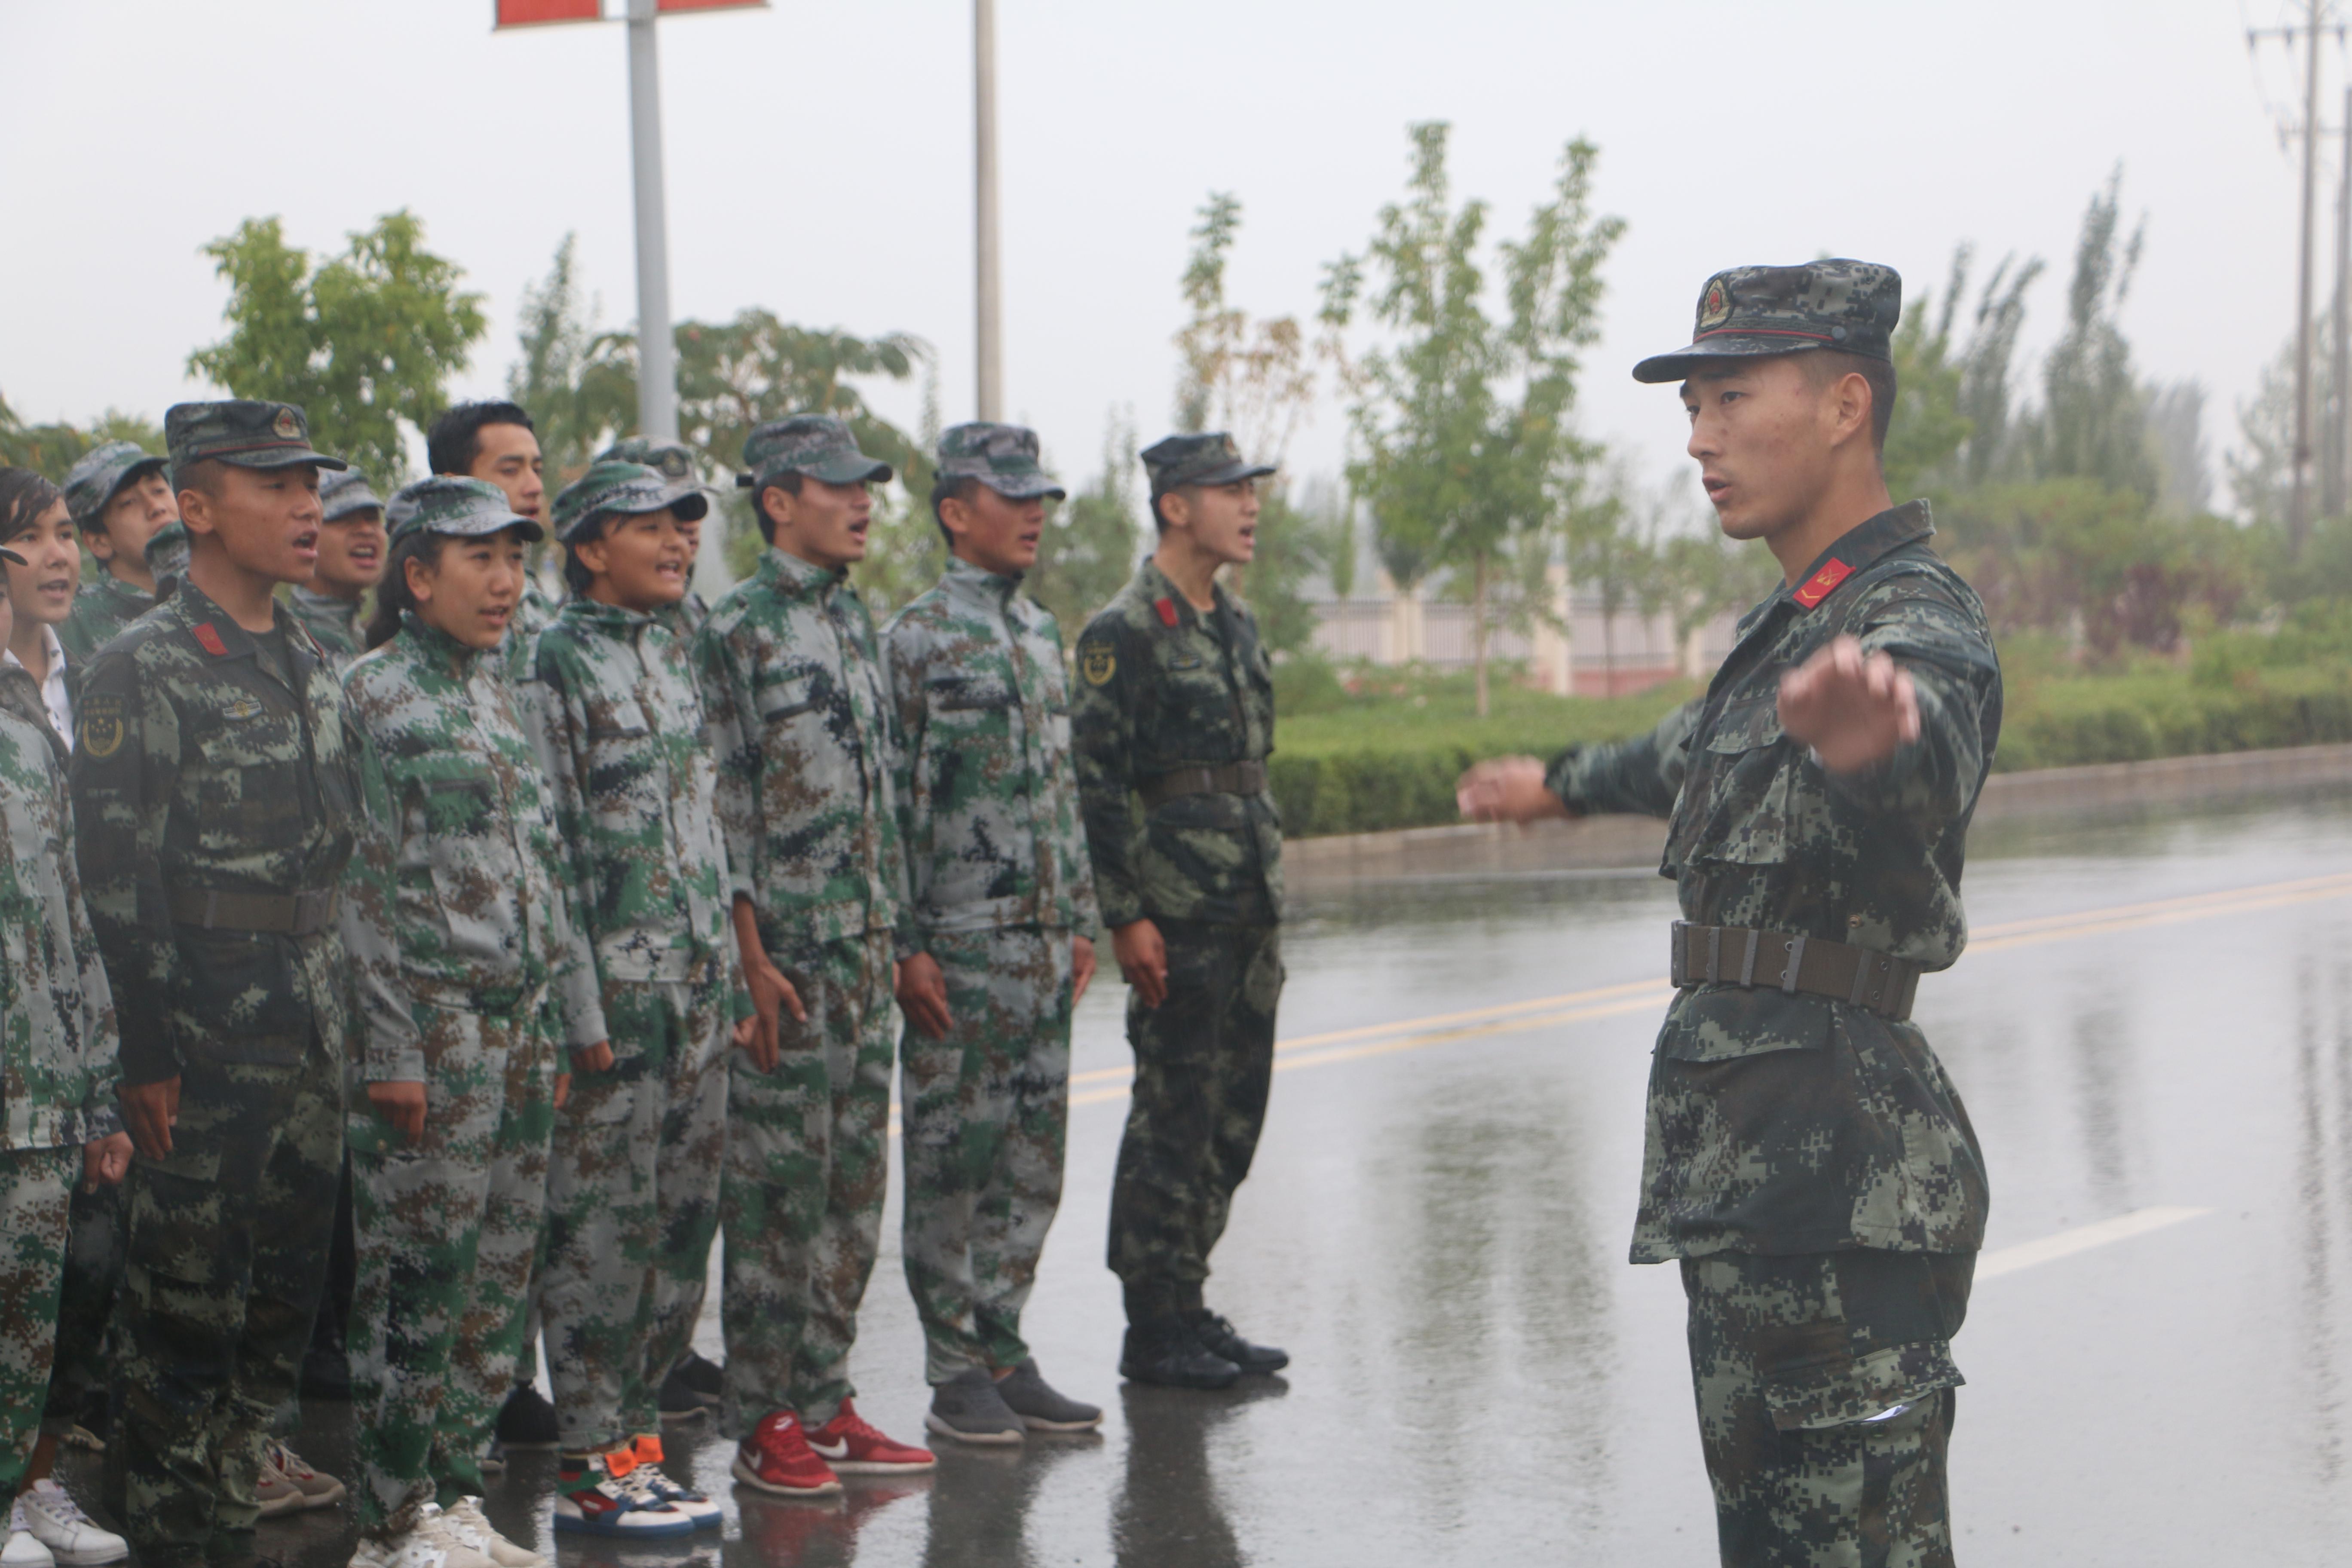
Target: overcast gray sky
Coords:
[[820, 159]]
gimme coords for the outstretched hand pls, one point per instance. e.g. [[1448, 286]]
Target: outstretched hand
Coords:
[[1507, 789], [1853, 708]]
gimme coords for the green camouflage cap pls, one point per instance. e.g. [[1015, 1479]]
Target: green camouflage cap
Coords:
[[457, 506], [102, 475], [241, 431], [816, 445], [167, 549], [1002, 456], [675, 459], [623, 490], [1208, 458], [1745, 312], [345, 493]]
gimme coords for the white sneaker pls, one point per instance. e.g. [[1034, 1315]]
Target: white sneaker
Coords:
[[59, 1523], [24, 1549], [434, 1527], [467, 1518], [408, 1552], [288, 1485]]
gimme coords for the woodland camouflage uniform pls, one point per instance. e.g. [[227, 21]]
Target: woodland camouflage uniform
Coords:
[[999, 883], [461, 931], [215, 786], [334, 624]]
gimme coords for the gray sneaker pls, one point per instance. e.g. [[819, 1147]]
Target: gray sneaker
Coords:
[[967, 1408], [1040, 1406]]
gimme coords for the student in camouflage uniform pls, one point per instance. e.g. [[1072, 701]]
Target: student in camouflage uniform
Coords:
[[167, 557], [120, 497], [801, 726], [496, 440], [1809, 1164], [1173, 721], [996, 943], [350, 561], [215, 796], [675, 459], [634, 1197]]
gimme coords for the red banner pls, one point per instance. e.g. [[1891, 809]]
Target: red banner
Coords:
[[526, 12]]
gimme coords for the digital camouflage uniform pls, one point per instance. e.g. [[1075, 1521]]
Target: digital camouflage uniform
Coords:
[[1807, 1159], [461, 936], [798, 712], [215, 786], [1174, 723], [998, 884], [334, 624], [106, 604], [634, 1197], [57, 1075]]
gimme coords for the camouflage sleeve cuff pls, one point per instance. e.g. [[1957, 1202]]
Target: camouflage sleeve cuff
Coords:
[[1559, 777], [102, 1117], [395, 1066], [146, 1062], [739, 1006]]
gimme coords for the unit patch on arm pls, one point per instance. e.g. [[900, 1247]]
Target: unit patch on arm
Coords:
[[1097, 663]]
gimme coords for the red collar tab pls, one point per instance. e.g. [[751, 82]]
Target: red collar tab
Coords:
[[1818, 586], [211, 641], [1167, 608]]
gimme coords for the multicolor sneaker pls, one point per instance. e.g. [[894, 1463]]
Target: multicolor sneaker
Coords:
[[59, 1523], [287, 1485], [853, 1448], [593, 1497], [776, 1458], [649, 1480], [473, 1527]]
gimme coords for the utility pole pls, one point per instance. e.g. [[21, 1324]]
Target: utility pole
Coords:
[[988, 297], [656, 353], [2336, 487]]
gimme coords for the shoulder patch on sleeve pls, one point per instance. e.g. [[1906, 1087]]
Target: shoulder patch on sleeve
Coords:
[[1097, 663], [100, 722]]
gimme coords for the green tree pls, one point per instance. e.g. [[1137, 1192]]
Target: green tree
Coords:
[[580, 383], [365, 342], [53, 449], [1089, 548], [2094, 419]]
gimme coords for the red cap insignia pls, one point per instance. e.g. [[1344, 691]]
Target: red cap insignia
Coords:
[[1817, 586], [211, 640], [1167, 608]]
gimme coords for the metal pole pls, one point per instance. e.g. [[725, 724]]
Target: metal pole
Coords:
[[2299, 507], [2337, 490], [989, 302], [657, 355]]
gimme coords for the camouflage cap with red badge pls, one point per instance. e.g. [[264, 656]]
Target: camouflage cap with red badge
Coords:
[[1747, 311], [242, 432]]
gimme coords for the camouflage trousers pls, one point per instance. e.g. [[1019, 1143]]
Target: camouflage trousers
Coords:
[[807, 1161], [226, 1257], [986, 1115], [446, 1230], [1826, 1393], [632, 1205], [36, 1189], [93, 1274], [1204, 1064]]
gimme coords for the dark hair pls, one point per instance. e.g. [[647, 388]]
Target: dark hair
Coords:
[[1159, 524], [392, 595], [23, 497], [456, 438], [1827, 365], [945, 489], [576, 575], [789, 481]]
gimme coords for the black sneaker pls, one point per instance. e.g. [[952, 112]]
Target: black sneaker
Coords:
[[527, 1421], [1172, 1356], [1219, 1337], [1040, 1406], [702, 1374], [680, 1400]]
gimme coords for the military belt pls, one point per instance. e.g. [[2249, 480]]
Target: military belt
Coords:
[[306, 913], [1736, 955], [1233, 778]]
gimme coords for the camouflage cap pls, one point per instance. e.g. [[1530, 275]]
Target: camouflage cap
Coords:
[[675, 459], [623, 490], [241, 431], [816, 445], [1745, 312], [347, 492], [457, 506], [167, 549], [1207, 459], [1002, 456], [102, 475]]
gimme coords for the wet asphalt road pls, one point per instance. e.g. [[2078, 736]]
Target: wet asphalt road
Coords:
[[2153, 1030]]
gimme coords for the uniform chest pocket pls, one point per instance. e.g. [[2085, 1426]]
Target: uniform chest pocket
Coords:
[[617, 719], [468, 849], [1736, 795], [969, 694], [787, 699]]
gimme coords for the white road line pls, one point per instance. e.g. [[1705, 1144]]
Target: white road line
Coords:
[[2082, 1238]]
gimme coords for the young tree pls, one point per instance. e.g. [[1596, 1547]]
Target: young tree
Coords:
[[1089, 549], [580, 383], [2093, 420]]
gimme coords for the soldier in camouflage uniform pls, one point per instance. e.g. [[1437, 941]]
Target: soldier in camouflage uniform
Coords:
[[634, 1197], [1808, 1161], [1174, 721], [497, 441], [216, 787], [676, 461], [350, 561], [461, 933], [120, 497], [996, 944], [801, 726]]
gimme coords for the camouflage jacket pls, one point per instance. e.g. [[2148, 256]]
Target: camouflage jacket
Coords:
[[988, 800], [534, 612], [333, 624], [1785, 1122], [57, 1041], [199, 769], [623, 742], [453, 901], [101, 608], [800, 724], [1163, 687], [684, 618]]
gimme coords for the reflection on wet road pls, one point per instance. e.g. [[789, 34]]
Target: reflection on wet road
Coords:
[[2153, 1029]]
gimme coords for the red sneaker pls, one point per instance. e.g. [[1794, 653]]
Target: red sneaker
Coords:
[[853, 1448], [776, 1459]]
